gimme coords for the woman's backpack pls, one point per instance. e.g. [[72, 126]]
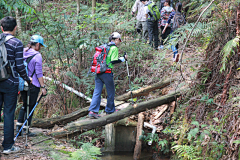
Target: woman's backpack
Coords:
[[178, 21], [99, 64], [23, 85]]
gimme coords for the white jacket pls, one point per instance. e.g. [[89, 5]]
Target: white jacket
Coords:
[[139, 7]]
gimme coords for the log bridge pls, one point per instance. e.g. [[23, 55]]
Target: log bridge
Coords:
[[75, 126]]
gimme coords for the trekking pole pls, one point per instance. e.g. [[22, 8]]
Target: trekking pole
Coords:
[[28, 117], [129, 81], [28, 97]]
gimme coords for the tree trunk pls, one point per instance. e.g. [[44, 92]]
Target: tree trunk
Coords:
[[60, 120], [78, 7], [93, 12], [84, 125], [19, 24], [138, 146], [144, 91]]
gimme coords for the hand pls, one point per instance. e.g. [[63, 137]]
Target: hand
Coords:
[[163, 31], [30, 79], [122, 59], [132, 13], [126, 56], [44, 91]]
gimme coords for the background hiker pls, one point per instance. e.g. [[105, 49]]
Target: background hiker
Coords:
[[141, 25], [152, 22], [34, 71], [178, 21], [165, 12], [9, 87], [107, 79]]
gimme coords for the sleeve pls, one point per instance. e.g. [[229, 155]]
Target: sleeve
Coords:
[[135, 6], [38, 66], [170, 17], [20, 67], [114, 55], [162, 12], [146, 9]]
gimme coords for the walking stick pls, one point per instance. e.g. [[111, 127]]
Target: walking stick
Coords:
[[129, 81], [28, 99], [28, 117]]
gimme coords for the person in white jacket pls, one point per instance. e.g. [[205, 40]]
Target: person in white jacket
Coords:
[[141, 25]]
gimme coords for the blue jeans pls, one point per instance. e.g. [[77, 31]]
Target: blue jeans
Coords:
[[8, 96], [174, 48], [100, 79]]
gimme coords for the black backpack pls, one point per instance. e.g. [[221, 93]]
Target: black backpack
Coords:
[[178, 21]]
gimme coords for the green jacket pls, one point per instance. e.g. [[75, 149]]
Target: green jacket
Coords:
[[112, 56]]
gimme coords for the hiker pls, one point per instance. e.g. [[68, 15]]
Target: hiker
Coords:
[[152, 22], [165, 12], [107, 79], [141, 20], [178, 21], [34, 71], [9, 87]]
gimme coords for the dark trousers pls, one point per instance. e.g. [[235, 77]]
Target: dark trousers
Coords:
[[8, 96], [165, 35], [153, 33], [34, 91]]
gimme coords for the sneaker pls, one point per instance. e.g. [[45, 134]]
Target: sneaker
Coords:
[[176, 58], [14, 149], [160, 47], [93, 115]]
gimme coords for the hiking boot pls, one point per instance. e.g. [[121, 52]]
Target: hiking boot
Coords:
[[14, 149], [93, 115], [30, 134]]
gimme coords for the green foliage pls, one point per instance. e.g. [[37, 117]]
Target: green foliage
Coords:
[[228, 51], [187, 152], [87, 151]]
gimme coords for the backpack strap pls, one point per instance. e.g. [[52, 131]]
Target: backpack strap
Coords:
[[28, 60]]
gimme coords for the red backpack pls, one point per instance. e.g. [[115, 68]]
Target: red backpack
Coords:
[[99, 64]]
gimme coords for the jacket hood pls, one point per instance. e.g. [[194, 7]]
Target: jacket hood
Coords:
[[29, 53]]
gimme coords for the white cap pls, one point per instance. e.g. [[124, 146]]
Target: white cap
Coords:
[[116, 35]]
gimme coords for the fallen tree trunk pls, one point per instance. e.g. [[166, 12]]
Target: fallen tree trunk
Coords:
[[144, 91], [60, 120], [84, 125]]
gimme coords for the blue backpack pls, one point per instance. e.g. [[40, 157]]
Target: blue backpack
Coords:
[[22, 84]]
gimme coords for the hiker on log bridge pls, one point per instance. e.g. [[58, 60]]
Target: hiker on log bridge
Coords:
[[109, 54]]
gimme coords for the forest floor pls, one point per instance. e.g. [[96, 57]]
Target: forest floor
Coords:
[[42, 146]]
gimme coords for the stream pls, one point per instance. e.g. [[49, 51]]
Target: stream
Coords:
[[127, 156]]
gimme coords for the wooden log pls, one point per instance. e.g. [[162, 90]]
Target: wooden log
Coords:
[[59, 120], [84, 125], [163, 109], [138, 145], [62, 120], [144, 91]]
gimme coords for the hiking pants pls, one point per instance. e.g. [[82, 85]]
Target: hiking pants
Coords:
[[165, 35], [8, 96], [142, 25], [100, 79], [34, 91], [153, 33]]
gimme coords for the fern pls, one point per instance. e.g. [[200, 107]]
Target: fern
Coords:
[[228, 51], [187, 152]]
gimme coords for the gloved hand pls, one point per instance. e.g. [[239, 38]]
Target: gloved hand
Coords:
[[122, 59], [125, 55]]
